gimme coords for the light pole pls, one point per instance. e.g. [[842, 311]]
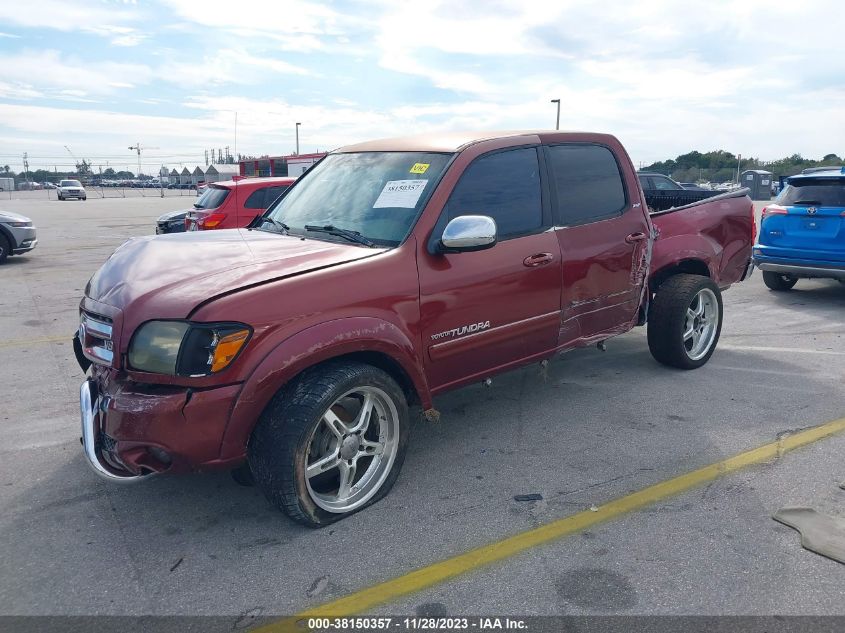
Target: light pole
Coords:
[[557, 123], [297, 138]]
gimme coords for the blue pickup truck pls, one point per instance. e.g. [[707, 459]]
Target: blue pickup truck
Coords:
[[802, 234]]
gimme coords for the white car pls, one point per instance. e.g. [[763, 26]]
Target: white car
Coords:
[[71, 189]]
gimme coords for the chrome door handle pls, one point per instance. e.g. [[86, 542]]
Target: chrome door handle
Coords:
[[538, 259]]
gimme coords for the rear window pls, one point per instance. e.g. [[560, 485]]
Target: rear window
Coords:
[[827, 192], [212, 198]]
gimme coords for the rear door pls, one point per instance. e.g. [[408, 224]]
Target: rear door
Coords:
[[814, 225], [604, 236]]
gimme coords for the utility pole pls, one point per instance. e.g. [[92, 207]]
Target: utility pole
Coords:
[[557, 123], [738, 163], [26, 166], [297, 138]]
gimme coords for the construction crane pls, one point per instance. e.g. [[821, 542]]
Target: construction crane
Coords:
[[82, 166], [137, 147]]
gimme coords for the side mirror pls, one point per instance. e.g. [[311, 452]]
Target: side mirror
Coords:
[[468, 233]]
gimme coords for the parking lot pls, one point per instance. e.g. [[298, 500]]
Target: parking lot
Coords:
[[596, 426]]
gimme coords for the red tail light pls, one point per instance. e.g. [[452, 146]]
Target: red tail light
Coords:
[[773, 209], [199, 221], [211, 221], [754, 225]]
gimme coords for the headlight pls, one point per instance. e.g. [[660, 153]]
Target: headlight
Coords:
[[180, 348]]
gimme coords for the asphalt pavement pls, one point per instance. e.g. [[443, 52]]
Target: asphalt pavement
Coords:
[[594, 427]]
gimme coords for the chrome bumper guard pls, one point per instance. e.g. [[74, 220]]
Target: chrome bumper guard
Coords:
[[89, 404]]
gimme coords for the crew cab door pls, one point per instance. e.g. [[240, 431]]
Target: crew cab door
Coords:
[[604, 236], [482, 311], [257, 203]]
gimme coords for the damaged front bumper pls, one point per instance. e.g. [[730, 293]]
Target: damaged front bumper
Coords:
[[131, 431], [90, 405]]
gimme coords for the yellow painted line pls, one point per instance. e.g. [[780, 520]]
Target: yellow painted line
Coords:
[[22, 342], [434, 574]]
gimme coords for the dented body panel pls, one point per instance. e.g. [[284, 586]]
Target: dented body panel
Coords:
[[434, 321]]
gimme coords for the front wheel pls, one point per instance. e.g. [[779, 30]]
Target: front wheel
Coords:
[[778, 282], [331, 442], [685, 321], [5, 248]]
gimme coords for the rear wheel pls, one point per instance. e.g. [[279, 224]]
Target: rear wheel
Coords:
[[685, 321], [779, 282], [331, 442]]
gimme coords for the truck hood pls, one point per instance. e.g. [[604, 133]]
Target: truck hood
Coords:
[[176, 272]]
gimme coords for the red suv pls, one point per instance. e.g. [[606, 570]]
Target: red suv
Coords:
[[234, 204]]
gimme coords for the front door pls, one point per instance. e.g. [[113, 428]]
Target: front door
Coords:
[[487, 310]]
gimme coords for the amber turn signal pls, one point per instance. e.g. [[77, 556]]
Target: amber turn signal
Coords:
[[227, 348]]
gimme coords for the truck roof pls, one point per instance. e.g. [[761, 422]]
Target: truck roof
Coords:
[[456, 141]]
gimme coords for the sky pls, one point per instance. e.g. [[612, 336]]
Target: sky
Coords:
[[89, 78]]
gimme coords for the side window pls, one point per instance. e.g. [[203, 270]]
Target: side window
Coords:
[[504, 186], [588, 183], [273, 194], [255, 200], [664, 184]]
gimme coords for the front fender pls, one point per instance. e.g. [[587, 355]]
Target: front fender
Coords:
[[312, 346]]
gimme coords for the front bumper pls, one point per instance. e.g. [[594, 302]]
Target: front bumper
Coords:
[[72, 194], [130, 431]]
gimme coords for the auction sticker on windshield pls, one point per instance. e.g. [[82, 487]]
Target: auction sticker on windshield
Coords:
[[400, 193]]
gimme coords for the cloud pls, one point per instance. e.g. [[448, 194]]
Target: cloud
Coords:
[[10, 35], [50, 70]]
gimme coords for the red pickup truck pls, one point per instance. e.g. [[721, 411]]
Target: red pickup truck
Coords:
[[390, 272]]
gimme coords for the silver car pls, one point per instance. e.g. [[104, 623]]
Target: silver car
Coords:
[[71, 189], [17, 235]]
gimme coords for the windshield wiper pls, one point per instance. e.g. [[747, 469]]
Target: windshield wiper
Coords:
[[808, 202], [331, 229], [284, 227]]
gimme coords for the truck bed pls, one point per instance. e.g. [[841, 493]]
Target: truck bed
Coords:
[[717, 232]]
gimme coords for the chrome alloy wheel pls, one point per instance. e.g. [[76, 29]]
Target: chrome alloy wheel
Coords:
[[352, 449], [701, 324]]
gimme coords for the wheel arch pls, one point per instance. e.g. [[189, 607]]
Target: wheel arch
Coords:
[[9, 238], [689, 266], [366, 340]]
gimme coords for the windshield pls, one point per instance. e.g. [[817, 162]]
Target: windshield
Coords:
[[827, 192], [377, 194], [70, 183], [212, 198]]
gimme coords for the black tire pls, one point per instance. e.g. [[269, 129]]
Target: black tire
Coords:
[[778, 282], [243, 475], [84, 198], [279, 445], [667, 318], [61, 198], [5, 248]]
